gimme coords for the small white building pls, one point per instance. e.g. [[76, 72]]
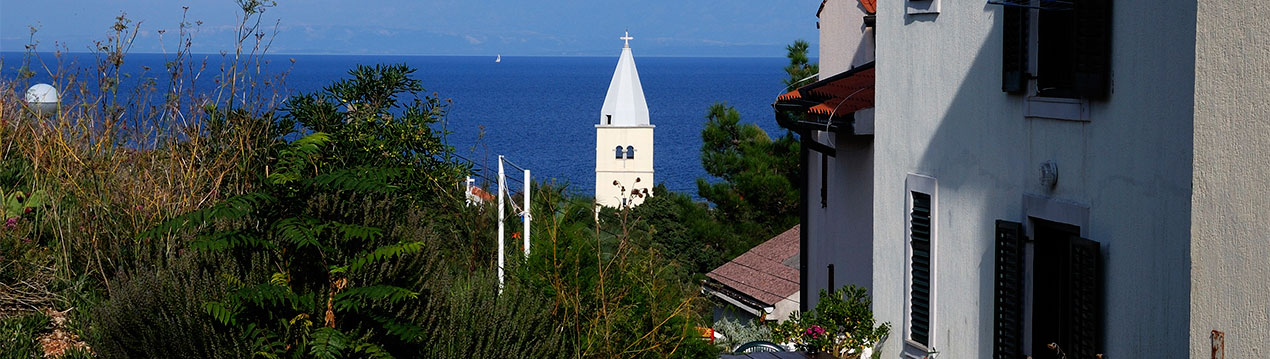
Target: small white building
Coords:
[[624, 139], [1037, 172]]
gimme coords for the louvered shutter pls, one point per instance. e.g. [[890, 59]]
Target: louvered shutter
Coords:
[[1014, 49], [1093, 48], [1007, 336], [920, 237], [1084, 299]]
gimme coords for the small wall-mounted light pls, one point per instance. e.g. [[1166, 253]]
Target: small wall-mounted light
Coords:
[[1049, 174]]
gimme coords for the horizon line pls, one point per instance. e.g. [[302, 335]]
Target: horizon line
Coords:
[[389, 54]]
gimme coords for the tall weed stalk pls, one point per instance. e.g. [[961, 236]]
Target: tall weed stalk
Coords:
[[124, 151]]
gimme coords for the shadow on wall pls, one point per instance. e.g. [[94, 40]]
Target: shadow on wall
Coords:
[[985, 154]]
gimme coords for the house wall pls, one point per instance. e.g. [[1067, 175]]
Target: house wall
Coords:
[[941, 113], [1230, 284], [844, 40], [608, 168], [842, 230]]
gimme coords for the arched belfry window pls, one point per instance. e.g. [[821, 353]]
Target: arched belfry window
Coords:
[[630, 152], [619, 152]]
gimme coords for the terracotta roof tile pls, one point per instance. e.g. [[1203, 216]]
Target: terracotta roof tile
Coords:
[[837, 95]]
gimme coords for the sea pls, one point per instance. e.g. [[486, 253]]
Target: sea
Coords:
[[538, 112]]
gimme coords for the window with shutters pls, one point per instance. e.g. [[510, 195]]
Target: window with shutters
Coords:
[[630, 152], [1065, 301], [1057, 53], [919, 318], [618, 152]]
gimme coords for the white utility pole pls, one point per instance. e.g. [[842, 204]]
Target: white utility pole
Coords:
[[501, 188], [525, 217]]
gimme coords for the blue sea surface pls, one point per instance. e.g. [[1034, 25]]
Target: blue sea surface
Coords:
[[540, 112]]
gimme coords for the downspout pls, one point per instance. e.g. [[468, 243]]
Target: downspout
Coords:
[[803, 247]]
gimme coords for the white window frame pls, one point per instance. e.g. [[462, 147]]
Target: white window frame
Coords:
[[921, 7], [1056, 108], [926, 185]]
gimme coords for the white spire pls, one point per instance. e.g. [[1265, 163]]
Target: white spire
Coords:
[[624, 104]]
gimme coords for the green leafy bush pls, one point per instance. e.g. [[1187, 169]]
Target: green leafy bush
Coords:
[[310, 303], [474, 321], [842, 324], [18, 336], [736, 333], [159, 313], [615, 293]]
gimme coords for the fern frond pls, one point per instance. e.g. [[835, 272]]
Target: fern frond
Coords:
[[327, 343], [310, 144], [263, 343], [220, 241], [231, 208], [373, 180], [223, 313], [279, 279], [384, 252], [297, 231], [353, 299], [369, 350], [298, 156], [266, 293], [345, 231], [407, 332]]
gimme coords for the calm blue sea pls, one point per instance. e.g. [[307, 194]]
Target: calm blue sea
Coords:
[[540, 111]]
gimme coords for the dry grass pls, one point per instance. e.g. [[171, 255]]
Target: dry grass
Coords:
[[125, 151]]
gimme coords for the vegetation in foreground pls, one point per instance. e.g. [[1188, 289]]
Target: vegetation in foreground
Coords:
[[167, 221]]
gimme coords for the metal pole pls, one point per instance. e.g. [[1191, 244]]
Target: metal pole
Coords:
[[526, 216], [467, 190], [501, 188]]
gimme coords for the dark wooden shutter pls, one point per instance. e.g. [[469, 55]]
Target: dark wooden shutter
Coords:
[[1084, 299], [1014, 66], [919, 305], [1093, 48], [1007, 336]]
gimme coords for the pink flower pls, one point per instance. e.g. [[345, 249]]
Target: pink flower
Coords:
[[11, 222], [815, 331]]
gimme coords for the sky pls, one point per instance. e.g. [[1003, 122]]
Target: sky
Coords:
[[749, 28]]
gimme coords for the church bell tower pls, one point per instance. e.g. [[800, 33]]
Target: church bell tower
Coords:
[[624, 139]]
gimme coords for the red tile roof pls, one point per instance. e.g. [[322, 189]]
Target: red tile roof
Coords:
[[841, 94], [482, 194], [870, 6], [762, 272]]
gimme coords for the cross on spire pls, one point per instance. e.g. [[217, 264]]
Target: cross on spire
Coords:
[[628, 39]]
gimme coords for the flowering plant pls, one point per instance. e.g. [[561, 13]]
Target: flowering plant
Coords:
[[842, 325]]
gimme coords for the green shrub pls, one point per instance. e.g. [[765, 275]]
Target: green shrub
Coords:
[[159, 314], [19, 336], [842, 323], [736, 333], [474, 321]]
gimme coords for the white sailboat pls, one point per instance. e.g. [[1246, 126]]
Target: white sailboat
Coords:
[[499, 58]]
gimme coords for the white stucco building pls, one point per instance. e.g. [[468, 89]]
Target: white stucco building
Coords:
[[1040, 172], [624, 139]]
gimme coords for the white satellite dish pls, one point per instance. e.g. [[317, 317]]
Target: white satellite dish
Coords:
[[42, 98]]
